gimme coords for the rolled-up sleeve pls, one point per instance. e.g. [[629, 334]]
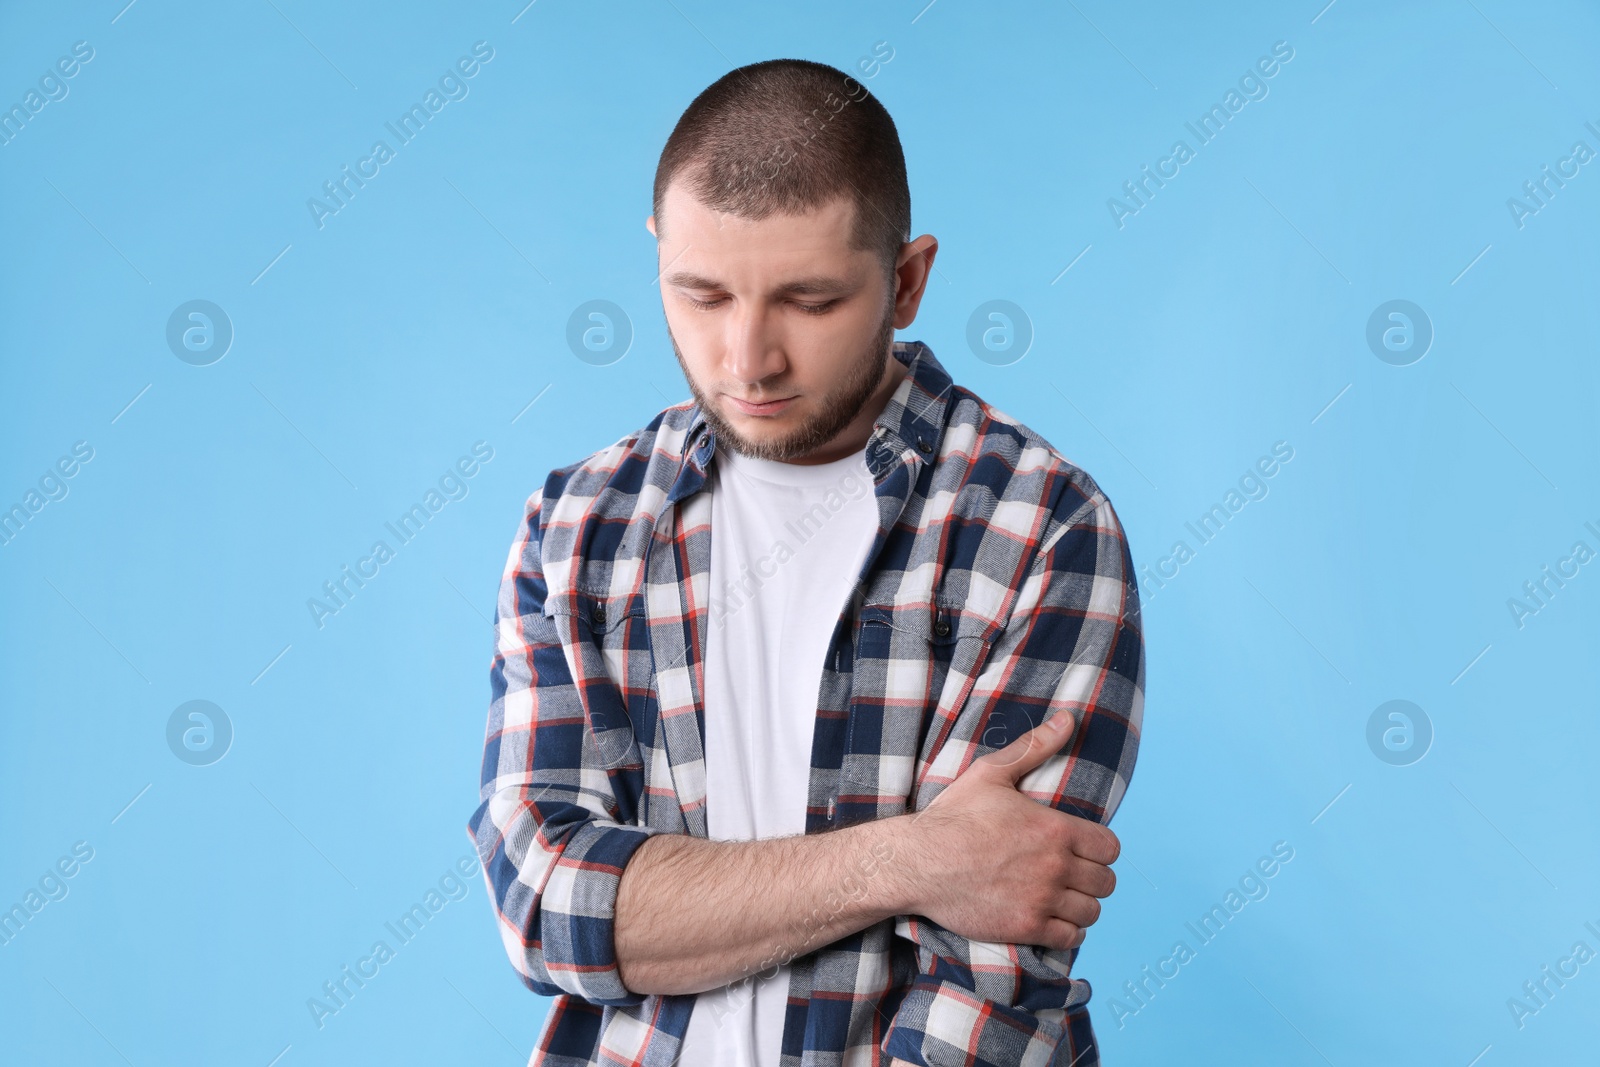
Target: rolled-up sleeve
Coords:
[[1074, 643], [546, 827]]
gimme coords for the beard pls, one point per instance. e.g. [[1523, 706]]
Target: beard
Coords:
[[838, 408]]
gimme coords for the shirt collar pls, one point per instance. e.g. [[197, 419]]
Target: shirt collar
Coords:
[[913, 419]]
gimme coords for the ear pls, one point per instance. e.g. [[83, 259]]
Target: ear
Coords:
[[911, 277], [650, 224]]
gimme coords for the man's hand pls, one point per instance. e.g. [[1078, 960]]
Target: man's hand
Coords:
[[994, 864]]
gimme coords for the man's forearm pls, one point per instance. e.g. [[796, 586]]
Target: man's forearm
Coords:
[[694, 914]]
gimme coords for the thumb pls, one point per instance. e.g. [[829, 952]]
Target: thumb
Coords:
[[1032, 748]]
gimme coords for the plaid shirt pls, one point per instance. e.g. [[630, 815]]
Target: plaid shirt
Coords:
[[999, 587]]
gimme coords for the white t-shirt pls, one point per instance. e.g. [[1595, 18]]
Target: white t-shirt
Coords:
[[787, 541]]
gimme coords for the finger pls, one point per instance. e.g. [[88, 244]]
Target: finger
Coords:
[[1093, 841], [1079, 909], [1087, 876], [1060, 934], [1032, 748]]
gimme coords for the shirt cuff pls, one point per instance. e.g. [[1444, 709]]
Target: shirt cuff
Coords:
[[577, 911], [942, 1024]]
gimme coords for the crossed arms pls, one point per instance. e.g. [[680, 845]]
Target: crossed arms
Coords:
[[593, 905]]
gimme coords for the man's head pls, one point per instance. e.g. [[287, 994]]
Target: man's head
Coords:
[[781, 213]]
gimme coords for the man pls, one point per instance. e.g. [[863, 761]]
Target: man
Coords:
[[812, 698]]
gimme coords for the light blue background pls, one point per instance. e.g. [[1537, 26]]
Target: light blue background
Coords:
[[427, 314]]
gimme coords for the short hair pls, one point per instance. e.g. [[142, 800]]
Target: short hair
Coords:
[[787, 136]]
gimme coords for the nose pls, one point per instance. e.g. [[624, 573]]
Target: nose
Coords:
[[754, 351]]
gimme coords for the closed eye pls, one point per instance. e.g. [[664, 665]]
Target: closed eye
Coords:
[[809, 309]]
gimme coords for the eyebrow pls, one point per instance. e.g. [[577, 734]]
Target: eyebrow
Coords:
[[815, 285]]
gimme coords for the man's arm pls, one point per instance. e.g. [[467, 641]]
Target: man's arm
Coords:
[[548, 828], [690, 914], [695, 914], [1074, 643]]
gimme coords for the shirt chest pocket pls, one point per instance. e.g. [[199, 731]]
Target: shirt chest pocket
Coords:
[[914, 670], [610, 644]]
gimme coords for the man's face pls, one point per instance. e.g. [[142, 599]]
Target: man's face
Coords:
[[782, 330]]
